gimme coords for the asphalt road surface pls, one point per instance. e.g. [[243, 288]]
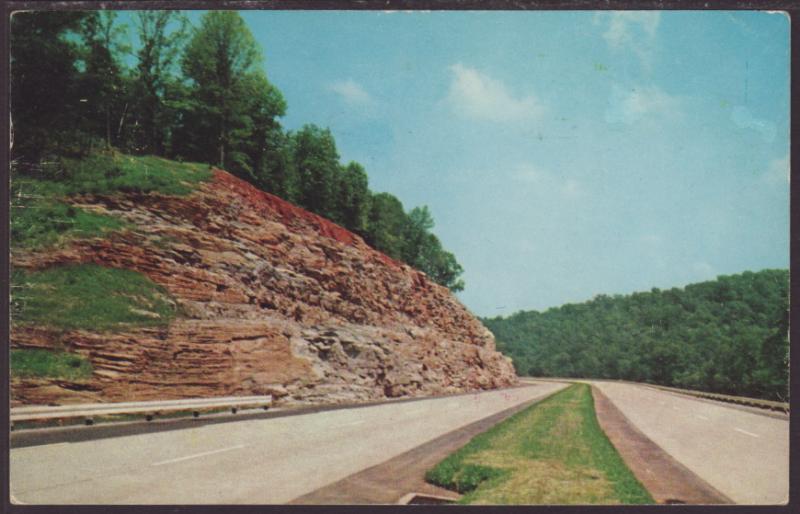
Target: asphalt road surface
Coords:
[[743, 454], [264, 461]]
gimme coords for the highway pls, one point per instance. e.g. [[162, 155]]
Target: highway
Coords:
[[742, 453], [257, 461]]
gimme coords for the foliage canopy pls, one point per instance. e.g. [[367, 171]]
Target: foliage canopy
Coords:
[[729, 335], [193, 93]]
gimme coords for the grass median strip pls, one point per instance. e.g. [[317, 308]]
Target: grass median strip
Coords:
[[553, 452]]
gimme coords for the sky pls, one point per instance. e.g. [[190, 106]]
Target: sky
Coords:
[[562, 154]]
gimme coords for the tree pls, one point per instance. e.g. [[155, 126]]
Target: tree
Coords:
[[44, 101], [266, 151], [317, 163], [353, 197], [423, 250], [440, 265], [418, 224], [222, 110], [218, 60], [101, 83], [157, 54], [385, 224], [772, 374], [275, 169], [729, 336]]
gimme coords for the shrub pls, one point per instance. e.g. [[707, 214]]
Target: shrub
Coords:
[[462, 478]]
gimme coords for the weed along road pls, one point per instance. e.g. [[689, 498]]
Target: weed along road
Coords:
[[258, 461], [742, 453]]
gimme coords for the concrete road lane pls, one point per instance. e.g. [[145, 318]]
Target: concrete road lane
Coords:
[[267, 461], [744, 455]]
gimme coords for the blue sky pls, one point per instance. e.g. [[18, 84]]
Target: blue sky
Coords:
[[562, 154]]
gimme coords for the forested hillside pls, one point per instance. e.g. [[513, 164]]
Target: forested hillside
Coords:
[[85, 87], [729, 335]]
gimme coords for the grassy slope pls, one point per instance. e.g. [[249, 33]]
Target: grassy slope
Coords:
[[34, 363], [89, 297], [107, 173], [551, 453], [86, 296], [41, 217]]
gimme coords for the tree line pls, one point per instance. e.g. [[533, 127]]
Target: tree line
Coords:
[[729, 335], [195, 93]]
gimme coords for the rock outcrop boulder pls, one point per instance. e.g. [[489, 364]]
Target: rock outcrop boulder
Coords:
[[273, 300]]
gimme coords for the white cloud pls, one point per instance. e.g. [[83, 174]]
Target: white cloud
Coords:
[[629, 106], [476, 95], [779, 171], [547, 182], [632, 30], [625, 26], [743, 118], [529, 174], [351, 92], [704, 270], [572, 188], [652, 239]]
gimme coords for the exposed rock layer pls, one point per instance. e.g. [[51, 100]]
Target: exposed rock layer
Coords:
[[273, 300]]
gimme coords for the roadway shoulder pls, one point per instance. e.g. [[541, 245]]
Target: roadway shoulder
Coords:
[[667, 480]]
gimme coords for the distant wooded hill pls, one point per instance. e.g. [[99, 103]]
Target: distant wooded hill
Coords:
[[729, 335]]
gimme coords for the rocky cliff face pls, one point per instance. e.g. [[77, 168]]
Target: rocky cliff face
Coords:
[[273, 300]]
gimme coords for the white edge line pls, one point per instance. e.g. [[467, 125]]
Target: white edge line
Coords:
[[42, 446], [700, 417], [351, 424], [196, 455], [746, 432]]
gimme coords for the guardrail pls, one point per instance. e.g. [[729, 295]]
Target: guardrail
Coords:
[[741, 400], [149, 409]]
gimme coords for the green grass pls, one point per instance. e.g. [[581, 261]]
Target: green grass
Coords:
[[553, 452], [41, 216], [42, 224], [88, 297], [35, 363], [109, 172]]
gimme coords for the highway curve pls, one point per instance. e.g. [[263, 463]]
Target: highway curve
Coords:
[[257, 461], [742, 453]]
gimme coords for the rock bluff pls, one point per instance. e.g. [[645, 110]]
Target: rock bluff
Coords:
[[273, 300]]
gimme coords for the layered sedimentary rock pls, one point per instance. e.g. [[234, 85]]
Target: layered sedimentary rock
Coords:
[[272, 300]]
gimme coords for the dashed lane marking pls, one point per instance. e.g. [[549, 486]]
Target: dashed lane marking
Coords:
[[746, 432], [198, 455], [361, 422], [417, 411]]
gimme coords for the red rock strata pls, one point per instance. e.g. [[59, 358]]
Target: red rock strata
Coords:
[[273, 300]]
